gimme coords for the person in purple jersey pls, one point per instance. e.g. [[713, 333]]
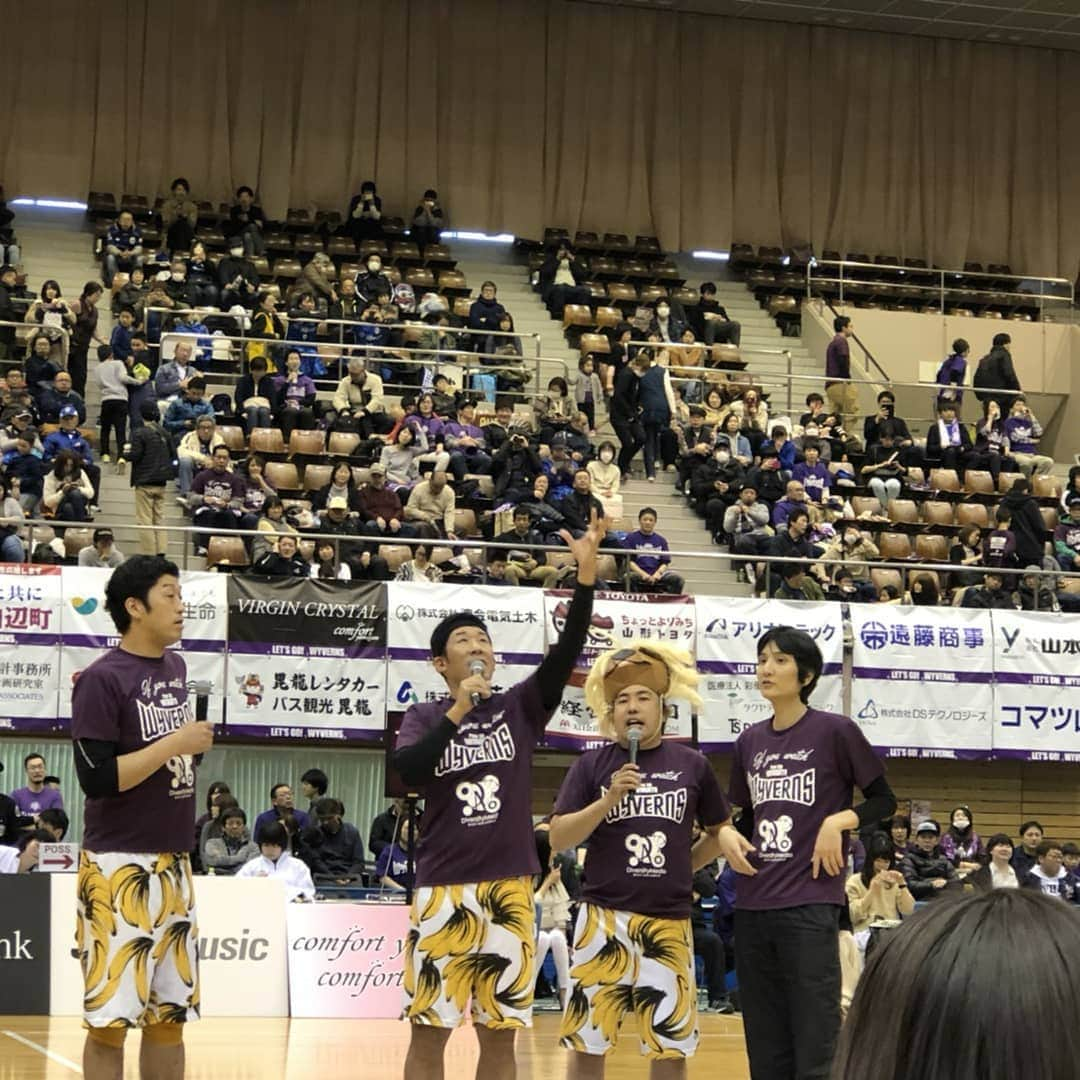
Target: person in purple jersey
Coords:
[[35, 797], [792, 775], [473, 930], [136, 750], [633, 943]]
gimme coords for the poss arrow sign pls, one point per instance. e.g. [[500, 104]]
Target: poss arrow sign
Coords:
[[58, 858]]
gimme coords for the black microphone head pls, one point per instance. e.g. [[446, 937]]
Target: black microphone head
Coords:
[[633, 741]]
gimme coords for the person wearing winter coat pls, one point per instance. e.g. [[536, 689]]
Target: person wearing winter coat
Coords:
[[152, 458], [995, 373], [427, 220], [232, 847], [992, 595], [961, 844], [485, 313], [1049, 876], [926, 870], [1027, 522]]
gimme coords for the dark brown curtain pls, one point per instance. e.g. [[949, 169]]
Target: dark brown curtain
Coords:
[[523, 113]]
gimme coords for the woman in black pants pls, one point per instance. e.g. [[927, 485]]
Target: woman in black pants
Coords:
[[793, 775], [624, 411]]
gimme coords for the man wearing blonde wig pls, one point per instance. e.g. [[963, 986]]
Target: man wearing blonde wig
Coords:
[[633, 947]]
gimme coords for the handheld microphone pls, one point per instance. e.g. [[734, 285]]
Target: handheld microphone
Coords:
[[476, 667], [633, 740], [202, 699]]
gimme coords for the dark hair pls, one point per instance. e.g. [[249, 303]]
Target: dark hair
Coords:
[[960, 346], [778, 430], [1046, 846], [271, 502], [1069, 848], [967, 530], [1002, 513], [999, 340], [218, 787], [1028, 824], [275, 788], [522, 510], [1021, 485], [889, 590], [999, 838], [40, 835], [251, 459], [55, 817], [132, 580], [180, 180], [45, 287], [149, 411], [197, 382], [647, 510], [901, 820], [273, 832], [815, 396], [925, 585], [802, 648], [231, 812], [840, 322], [887, 430], [431, 193], [968, 991], [104, 352], [226, 802], [961, 835], [52, 780], [35, 756], [257, 363], [325, 807], [317, 779], [886, 394], [798, 512], [879, 847], [92, 287], [242, 188], [707, 287], [441, 634]]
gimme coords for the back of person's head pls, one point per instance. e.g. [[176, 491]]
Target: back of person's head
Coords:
[[54, 818], [1000, 340], [960, 347], [1003, 515], [272, 832], [970, 990], [329, 807], [149, 411]]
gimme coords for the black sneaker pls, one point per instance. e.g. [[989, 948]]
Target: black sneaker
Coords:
[[723, 1006]]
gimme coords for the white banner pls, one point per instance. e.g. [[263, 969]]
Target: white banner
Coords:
[[30, 605], [243, 968], [728, 630], [87, 630], [1036, 669], [616, 620], [922, 679], [515, 618]]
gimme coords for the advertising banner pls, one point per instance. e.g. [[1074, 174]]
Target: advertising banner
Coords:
[[922, 680], [728, 630], [347, 960], [515, 619], [307, 659], [30, 603], [1036, 672], [617, 619], [243, 970], [87, 630], [25, 943]]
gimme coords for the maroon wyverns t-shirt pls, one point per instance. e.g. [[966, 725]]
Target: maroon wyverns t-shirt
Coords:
[[132, 701], [639, 856], [478, 806], [794, 780]]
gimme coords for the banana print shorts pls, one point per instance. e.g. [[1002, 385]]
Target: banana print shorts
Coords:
[[137, 939], [472, 941], [627, 963]]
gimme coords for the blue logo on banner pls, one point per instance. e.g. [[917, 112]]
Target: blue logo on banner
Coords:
[[868, 711], [405, 694], [874, 635]]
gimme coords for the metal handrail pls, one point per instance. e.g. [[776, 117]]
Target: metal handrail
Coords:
[[941, 288], [31, 329], [620, 552], [862, 345], [456, 330], [430, 356]]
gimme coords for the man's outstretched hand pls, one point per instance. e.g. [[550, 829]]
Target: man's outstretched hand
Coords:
[[584, 548]]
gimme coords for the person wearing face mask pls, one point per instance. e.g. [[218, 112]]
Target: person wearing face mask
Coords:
[[961, 844], [363, 219], [666, 323], [852, 544], [606, 480], [237, 277], [374, 286], [714, 487]]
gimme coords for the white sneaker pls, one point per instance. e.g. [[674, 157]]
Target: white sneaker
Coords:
[[121, 466], [181, 501], [105, 459]]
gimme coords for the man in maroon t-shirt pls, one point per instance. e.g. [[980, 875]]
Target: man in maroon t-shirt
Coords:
[[793, 776], [633, 943], [136, 749], [470, 754]]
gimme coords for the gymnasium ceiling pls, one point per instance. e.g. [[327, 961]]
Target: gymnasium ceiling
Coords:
[[1053, 24]]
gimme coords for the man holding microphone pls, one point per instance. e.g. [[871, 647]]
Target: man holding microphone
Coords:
[[473, 923], [136, 750]]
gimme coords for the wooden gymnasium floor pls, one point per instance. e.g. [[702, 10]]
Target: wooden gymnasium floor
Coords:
[[50, 1048]]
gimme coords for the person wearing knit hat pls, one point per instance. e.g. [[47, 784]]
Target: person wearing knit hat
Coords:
[[636, 801]]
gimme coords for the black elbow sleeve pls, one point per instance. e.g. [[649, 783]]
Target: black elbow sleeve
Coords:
[[95, 766]]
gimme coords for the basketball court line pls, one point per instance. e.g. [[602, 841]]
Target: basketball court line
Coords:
[[50, 1054]]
